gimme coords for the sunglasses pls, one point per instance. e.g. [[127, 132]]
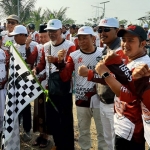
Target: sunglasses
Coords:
[[105, 29], [11, 22]]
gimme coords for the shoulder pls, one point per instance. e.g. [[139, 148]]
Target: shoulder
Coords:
[[33, 43], [69, 43]]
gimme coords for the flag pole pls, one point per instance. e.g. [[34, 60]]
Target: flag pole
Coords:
[[9, 43]]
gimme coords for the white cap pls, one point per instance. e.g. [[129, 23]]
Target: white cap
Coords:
[[85, 30], [54, 24], [19, 29], [145, 25], [109, 22]]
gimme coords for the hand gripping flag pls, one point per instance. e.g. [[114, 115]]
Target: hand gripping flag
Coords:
[[22, 89]]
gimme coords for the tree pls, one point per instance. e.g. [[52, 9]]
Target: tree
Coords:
[[60, 14], [123, 22], [145, 19], [36, 17], [9, 7]]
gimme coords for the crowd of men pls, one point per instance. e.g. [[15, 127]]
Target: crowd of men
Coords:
[[107, 68]]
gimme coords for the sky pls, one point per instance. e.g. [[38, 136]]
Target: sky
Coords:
[[81, 10]]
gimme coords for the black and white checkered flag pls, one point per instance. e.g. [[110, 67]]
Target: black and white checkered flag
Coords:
[[22, 89]]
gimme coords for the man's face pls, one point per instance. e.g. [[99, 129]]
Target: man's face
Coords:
[[63, 29], [54, 35], [20, 38], [43, 37], [85, 41], [107, 34], [72, 31], [11, 24], [131, 45]]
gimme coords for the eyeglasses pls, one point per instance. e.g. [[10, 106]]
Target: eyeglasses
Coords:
[[11, 22], [52, 31], [105, 29]]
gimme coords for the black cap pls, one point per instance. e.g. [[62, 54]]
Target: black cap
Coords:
[[42, 27], [134, 30], [73, 26]]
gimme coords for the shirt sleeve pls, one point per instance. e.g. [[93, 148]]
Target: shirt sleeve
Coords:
[[42, 63], [126, 95], [66, 72], [70, 50], [32, 56]]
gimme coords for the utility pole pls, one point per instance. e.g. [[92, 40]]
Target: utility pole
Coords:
[[104, 6], [18, 9], [98, 10]]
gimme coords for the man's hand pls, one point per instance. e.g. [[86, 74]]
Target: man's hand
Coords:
[[34, 72], [110, 55], [101, 68], [28, 41], [83, 71], [141, 71], [50, 59], [61, 55]]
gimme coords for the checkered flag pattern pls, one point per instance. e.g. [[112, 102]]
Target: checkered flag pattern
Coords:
[[22, 89]]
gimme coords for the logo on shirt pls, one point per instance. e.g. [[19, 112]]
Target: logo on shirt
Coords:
[[80, 60]]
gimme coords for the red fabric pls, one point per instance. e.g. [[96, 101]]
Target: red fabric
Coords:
[[37, 38], [7, 67], [41, 65], [31, 58], [66, 73], [70, 50]]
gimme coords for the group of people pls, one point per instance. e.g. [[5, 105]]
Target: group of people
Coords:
[[107, 66]]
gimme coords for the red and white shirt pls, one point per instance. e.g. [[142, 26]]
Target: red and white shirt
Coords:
[[84, 89], [4, 63]]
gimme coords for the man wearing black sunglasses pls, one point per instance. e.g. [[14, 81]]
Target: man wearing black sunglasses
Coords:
[[12, 21], [107, 30]]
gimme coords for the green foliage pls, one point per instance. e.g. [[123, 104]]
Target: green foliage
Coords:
[[38, 16], [9, 7], [123, 22]]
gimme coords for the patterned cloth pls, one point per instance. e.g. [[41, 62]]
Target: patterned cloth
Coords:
[[22, 89]]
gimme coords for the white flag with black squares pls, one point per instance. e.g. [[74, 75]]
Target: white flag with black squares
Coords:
[[22, 89]]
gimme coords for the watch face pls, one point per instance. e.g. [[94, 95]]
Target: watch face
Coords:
[[106, 74]]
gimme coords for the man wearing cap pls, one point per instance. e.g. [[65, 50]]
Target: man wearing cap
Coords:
[[59, 123], [22, 44], [34, 34], [108, 29], [65, 32], [12, 21], [87, 101], [128, 116]]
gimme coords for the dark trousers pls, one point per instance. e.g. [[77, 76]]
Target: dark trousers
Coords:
[[26, 116], [123, 144], [60, 124]]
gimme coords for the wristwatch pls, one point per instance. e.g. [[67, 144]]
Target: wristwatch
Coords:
[[105, 75]]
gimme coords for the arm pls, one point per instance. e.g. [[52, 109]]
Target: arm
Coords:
[[32, 57], [41, 65], [70, 50], [121, 91], [66, 72], [90, 74]]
